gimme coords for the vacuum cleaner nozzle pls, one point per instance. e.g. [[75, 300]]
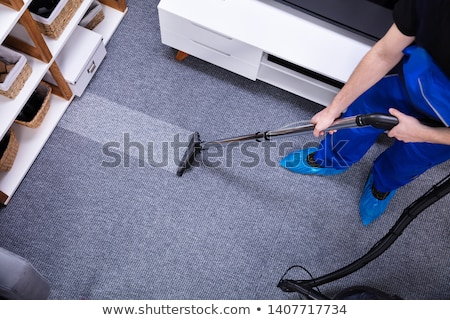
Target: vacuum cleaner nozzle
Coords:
[[188, 159]]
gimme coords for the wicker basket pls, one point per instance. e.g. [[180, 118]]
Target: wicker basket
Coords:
[[36, 108], [17, 76], [8, 150], [93, 16], [18, 83], [55, 24]]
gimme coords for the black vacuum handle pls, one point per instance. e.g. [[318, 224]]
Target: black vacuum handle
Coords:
[[387, 122], [377, 120]]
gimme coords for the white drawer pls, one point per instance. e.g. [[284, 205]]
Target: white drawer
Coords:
[[209, 38], [80, 58], [209, 54], [297, 83]]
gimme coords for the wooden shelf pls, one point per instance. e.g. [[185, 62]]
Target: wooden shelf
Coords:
[[54, 45], [10, 108], [109, 25], [14, 4], [31, 141], [9, 18]]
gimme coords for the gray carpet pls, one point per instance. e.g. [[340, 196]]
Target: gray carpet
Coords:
[[102, 215]]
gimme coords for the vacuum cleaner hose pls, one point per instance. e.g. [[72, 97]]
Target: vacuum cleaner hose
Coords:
[[305, 287]]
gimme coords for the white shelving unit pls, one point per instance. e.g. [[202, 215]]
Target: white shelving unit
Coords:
[[9, 18], [112, 20], [31, 141]]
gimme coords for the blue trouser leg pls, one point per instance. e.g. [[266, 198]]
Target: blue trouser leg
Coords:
[[348, 146], [403, 162], [398, 165]]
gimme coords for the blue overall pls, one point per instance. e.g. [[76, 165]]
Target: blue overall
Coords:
[[398, 164]]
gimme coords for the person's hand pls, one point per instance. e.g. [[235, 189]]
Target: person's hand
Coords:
[[323, 120], [409, 129]]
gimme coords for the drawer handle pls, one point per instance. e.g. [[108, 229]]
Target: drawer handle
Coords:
[[92, 68], [211, 48], [212, 31]]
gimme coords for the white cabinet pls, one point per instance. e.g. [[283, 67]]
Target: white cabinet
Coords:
[[43, 55], [210, 45], [264, 40]]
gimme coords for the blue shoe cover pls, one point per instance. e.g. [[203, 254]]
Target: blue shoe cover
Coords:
[[371, 208], [296, 162]]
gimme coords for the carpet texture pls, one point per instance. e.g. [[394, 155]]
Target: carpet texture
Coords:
[[102, 215]]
